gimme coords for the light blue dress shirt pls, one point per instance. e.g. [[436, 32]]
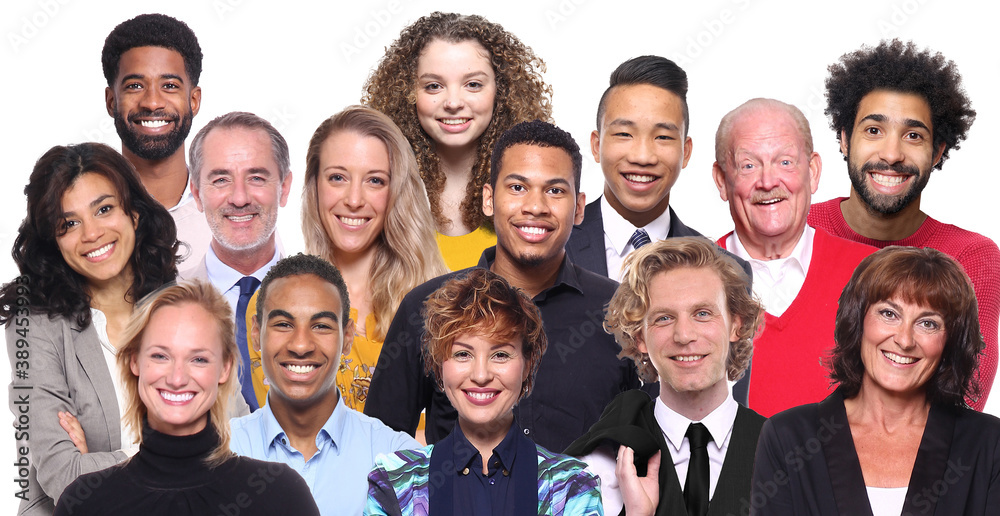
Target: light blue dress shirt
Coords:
[[347, 446]]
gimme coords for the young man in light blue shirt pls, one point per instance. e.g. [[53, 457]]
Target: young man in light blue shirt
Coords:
[[301, 328]]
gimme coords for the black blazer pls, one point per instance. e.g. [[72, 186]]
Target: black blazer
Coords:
[[629, 420], [807, 464], [586, 249]]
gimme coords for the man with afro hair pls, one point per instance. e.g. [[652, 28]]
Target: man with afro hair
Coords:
[[898, 111], [152, 64]]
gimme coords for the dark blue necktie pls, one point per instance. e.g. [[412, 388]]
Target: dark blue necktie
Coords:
[[639, 238], [248, 285]]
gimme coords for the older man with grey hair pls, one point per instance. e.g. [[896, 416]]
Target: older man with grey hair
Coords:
[[767, 170], [240, 176]]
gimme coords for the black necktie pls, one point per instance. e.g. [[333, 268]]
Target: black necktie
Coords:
[[639, 239], [696, 485]]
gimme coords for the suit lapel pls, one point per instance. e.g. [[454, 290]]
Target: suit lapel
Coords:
[[932, 460], [586, 243], [734, 482], [842, 463], [89, 353], [671, 494]]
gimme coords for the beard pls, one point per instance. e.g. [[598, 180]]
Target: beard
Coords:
[[152, 148], [886, 204], [217, 224]]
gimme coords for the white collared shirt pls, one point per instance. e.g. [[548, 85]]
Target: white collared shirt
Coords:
[[226, 279], [618, 231], [602, 460], [110, 353], [777, 282]]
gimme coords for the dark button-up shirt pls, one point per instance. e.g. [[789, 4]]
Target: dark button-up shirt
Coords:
[[492, 493], [578, 376]]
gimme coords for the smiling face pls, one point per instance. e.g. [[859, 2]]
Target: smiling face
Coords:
[[99, 236], [687, 334], [901, 347], [482, 378], [642, 147], [180, 366], [456, 87], [890, 152], [240, 189], [352, 188], [152, 102], [534, 205], [302, 340], [768, 179]]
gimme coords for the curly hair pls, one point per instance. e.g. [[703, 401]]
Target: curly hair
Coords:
[[298, 265], [406, 252], [626, 315], [482, 303], [521, 95], [925, 277], [55, 288], [901, 67], [539, 134], [152, 30], [204, 295]]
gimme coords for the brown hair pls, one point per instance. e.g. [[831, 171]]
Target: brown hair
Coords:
[[921, 276], [521, 96], [628, 307]]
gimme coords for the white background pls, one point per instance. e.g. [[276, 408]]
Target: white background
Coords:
[[298, 63]]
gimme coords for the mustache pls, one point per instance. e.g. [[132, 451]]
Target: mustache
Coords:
[[159, 113], [881, 166], [777, 192]]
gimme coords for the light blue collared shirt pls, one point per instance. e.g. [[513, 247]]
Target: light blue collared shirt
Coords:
[[347, 446]]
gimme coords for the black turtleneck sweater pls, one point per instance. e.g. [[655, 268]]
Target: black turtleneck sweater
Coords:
[[168, 476]]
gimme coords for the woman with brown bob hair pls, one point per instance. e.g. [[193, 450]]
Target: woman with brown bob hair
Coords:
[[453, 84], [178, 368], [897, 436]]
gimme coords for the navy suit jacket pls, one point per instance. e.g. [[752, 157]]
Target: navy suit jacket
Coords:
[[806, 464], [586, 249]]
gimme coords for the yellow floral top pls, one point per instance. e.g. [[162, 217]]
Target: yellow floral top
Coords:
[[357, 367]]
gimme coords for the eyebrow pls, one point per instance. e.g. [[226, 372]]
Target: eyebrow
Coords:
[[668, 126], [437, 77], [908, 122], [550, 182], [140, 76], [326, 314], [93, 204]]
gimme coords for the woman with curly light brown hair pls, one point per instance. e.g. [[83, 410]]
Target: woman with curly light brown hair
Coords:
[[453, 84]]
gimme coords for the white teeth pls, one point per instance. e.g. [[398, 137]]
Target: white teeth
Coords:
[[240, 218], [640, 178], [297, 369], [533, 230], [184, 396], [688, 358], [454, 121], [153, 123], [481, 395], [898, 358], [770, 201], [885, 180], [353, 221], [98, 252]]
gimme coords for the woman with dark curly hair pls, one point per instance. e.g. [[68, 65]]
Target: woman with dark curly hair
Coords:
[[453, 84], [92, 244], [896, 436]]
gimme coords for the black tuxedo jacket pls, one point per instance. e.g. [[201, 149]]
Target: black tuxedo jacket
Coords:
[[629, 420], [586, 249], [807, 464]]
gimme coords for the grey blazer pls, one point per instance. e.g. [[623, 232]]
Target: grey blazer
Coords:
[[66, 372]]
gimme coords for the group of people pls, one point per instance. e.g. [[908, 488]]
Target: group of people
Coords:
[[467, 335]]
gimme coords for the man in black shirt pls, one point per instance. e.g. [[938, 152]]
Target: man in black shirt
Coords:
[[534, 199]]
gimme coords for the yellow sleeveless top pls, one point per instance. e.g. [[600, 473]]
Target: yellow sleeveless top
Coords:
[[462, 252]]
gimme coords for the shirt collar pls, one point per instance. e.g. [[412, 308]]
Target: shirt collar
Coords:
[[567, 272], [619, 231], [800, 257], [332, 430], [719, 423], [186, 197], [220, 274], [506, 451]]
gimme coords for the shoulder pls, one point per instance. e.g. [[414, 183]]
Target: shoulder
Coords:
[[419, 293], [403, 463], [593, 284], [962, 241], [840, 248], [88, 493], [558, 464], [374, 433], [792, 424], [244, 430], [275, 486]]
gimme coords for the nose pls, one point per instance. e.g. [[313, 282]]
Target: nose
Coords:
[[178, 375], [481, 370], [904, 338], [301, 343], [767, 178], [239, 196], [92, 230], [643, 152], [535, 202], [355, 196], [455, 100], [891, 150], [152, 99], [683, 331]]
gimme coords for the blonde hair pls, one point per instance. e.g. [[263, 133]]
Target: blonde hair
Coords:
[[201, 294], [406, 252], [628, 307]]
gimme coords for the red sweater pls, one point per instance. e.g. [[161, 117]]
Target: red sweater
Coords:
[[786, 371], [978, 255]]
